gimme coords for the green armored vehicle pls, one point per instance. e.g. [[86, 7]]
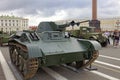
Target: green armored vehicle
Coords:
[[48, 46], [89, 33], [4, 38]]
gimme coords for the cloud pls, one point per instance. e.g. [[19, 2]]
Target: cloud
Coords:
[[42, 5], [109, 8], [50, 10]]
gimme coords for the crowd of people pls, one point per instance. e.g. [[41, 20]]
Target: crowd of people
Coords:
[[115, 36]]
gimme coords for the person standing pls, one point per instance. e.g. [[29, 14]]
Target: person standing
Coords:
[[116, 36], [107, 34]]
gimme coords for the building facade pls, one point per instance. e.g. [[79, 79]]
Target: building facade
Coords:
[[110, 24], [11, 23]]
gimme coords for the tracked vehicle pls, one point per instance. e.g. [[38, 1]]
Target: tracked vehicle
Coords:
[[48, 46], [4, 38]]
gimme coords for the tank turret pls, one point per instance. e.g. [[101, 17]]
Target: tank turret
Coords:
[[51, 26]]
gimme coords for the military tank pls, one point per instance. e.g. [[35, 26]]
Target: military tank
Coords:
[[4, 37], [49, 46]]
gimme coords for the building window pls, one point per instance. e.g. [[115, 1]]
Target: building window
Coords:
[[9, 24], [9, 20], [10, 30], [6, 29], [17, 29], [17, 21], [5, 24], [1, 29], [1, 24], [13, 24], [12, 20]]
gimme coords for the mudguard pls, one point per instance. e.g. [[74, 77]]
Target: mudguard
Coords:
[[34, 51], [94, 45]]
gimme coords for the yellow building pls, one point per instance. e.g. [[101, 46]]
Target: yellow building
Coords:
[[110, 24]]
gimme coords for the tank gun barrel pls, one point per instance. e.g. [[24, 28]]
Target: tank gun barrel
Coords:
[[72, 23]]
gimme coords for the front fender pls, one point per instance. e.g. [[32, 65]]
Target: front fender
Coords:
[[94, 45], [34, 51]]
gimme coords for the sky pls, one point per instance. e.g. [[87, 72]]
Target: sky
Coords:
[[54, 10]]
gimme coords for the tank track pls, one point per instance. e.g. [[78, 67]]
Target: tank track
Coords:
[[27, 67], [30, 69], [84, 63], [93, 58]]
